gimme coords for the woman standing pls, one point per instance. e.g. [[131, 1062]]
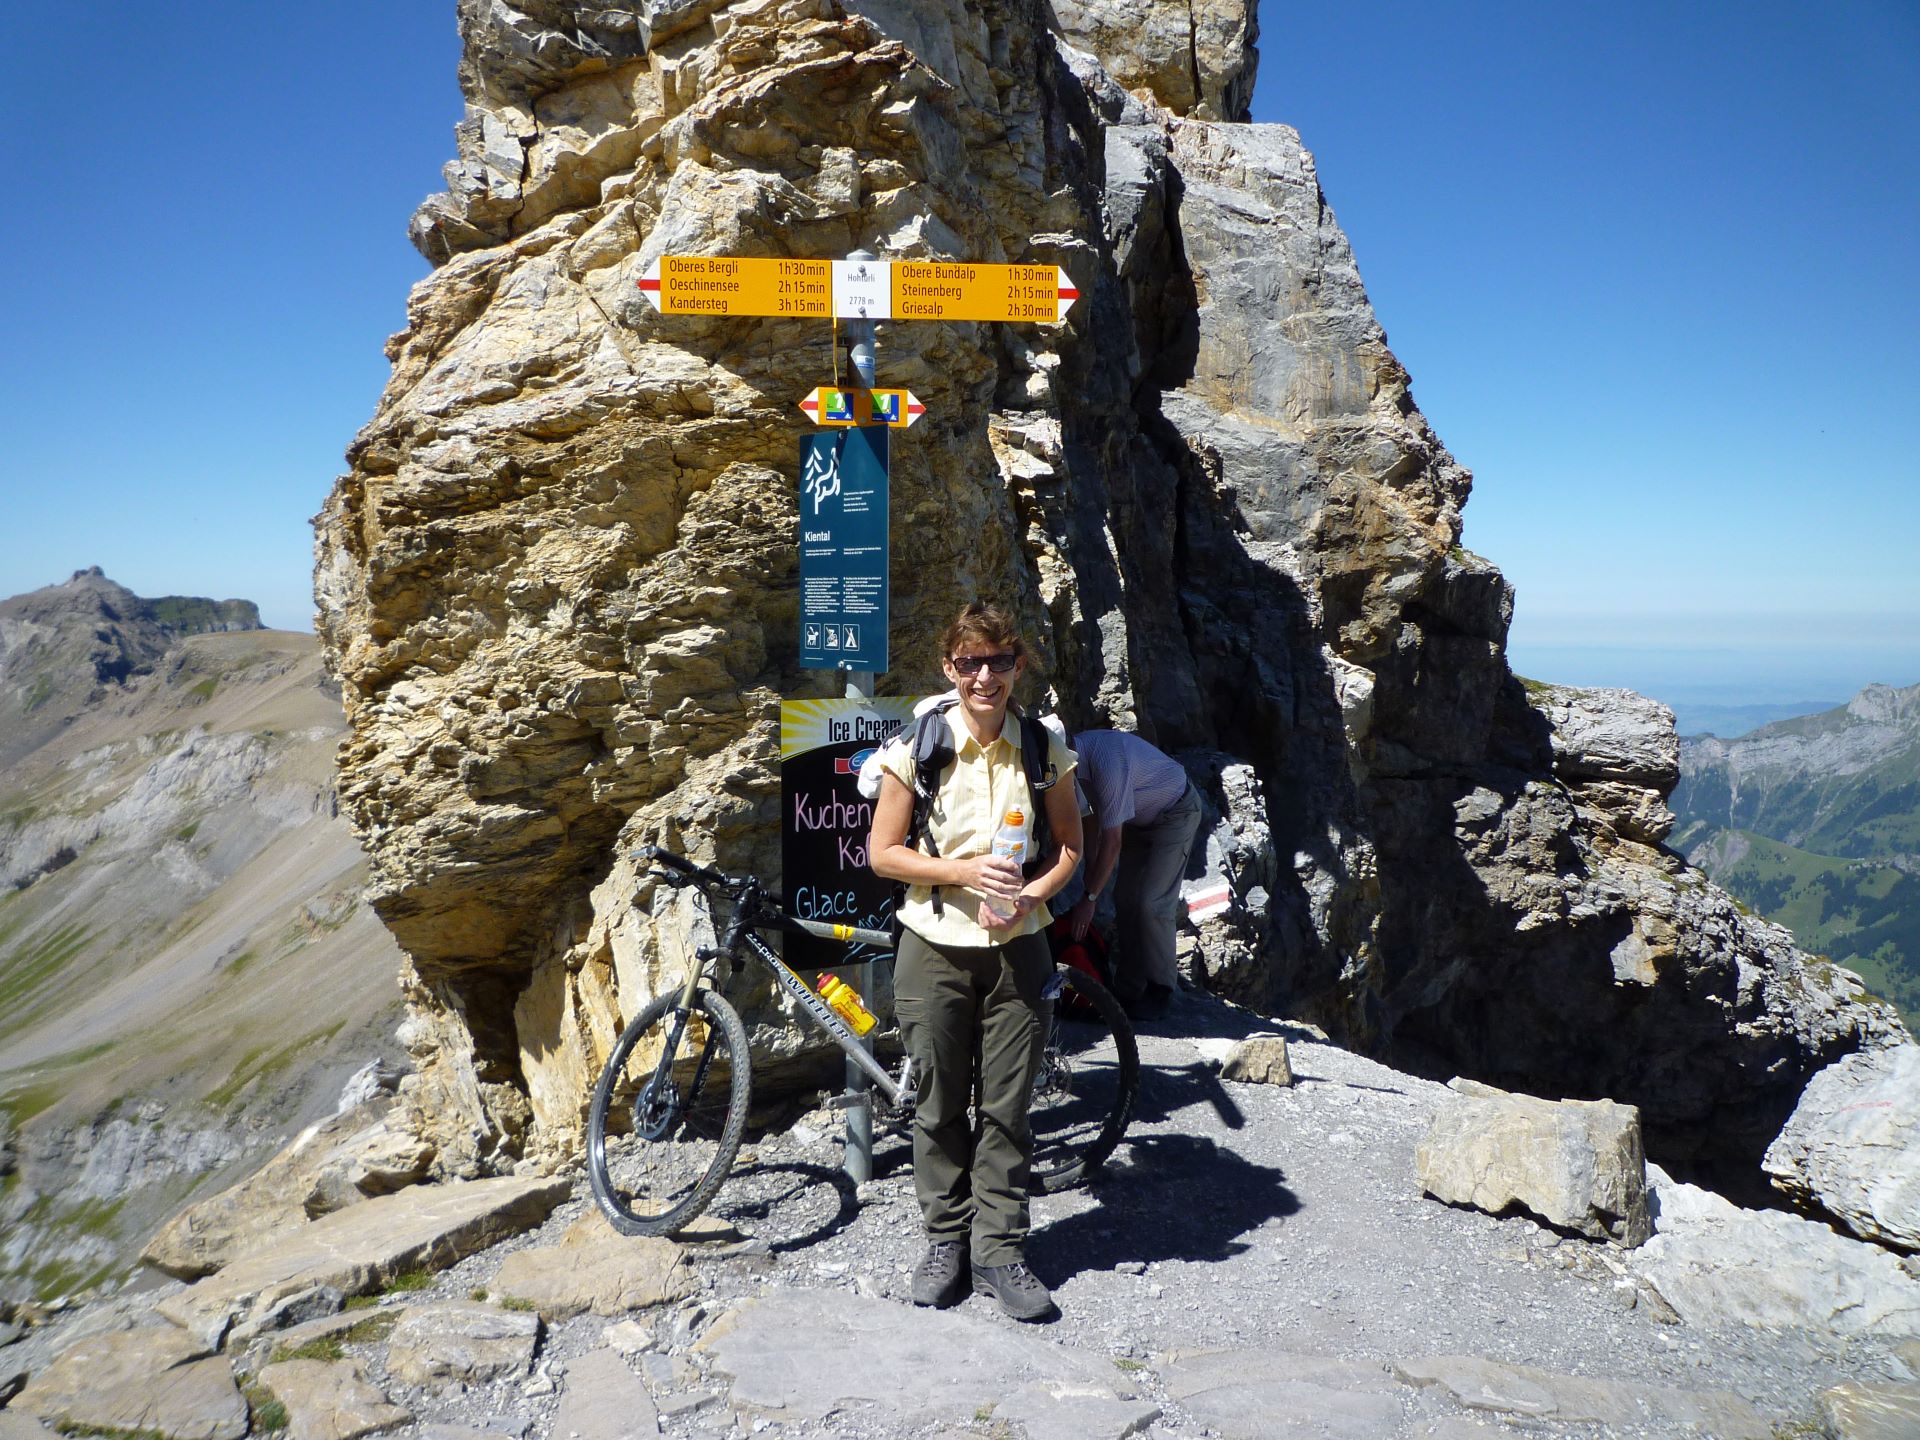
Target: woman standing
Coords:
[[970, 969]]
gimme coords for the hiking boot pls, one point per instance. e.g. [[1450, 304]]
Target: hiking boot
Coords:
[[1017, 1288], [1149, 1005], [940, 1277]]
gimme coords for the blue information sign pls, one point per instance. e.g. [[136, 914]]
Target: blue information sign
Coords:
[[843, 549]]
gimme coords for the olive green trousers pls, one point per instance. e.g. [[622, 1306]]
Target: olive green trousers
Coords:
[[974, 1016]]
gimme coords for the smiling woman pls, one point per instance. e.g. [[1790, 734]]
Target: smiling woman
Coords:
[[970, 973]]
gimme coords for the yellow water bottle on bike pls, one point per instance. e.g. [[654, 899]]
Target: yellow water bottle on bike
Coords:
[[845, 1001]]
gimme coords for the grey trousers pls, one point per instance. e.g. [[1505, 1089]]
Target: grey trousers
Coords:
[[1146, 896], [967, 1013]]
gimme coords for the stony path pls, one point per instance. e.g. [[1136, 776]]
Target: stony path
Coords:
[[1256, 1262]]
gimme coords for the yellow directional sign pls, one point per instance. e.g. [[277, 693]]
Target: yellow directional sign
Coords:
[[856, 289], [739, 285], [830, 406], [938, 290]]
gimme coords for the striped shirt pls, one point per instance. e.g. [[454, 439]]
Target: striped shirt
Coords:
[[1127, 780]]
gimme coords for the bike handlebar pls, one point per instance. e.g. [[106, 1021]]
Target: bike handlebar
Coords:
[[772, 911], [655, 855]]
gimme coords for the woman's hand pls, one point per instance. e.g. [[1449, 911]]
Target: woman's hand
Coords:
[[993, 876], [991, 919]]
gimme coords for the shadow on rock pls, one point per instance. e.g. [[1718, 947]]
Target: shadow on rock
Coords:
[[1173, 1197]]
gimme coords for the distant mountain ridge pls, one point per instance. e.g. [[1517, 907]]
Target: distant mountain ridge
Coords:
[[1844, 782], [1815, 822], [60, 644]]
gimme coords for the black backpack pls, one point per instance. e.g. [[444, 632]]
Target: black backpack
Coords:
[[931, 746]]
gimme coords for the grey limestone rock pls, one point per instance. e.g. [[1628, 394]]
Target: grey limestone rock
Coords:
[[155, 1380], [604, 1400], [331, 1400], [1610, 735], [1577, 1164], [1270, 1394], [439, 1344], [1529, 1393], [1719, 1265], [1852, 1145], [1258, 1060], [789, 1351]]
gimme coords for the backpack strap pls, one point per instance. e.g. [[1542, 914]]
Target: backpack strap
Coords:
[[1035, 754], [932, 752]]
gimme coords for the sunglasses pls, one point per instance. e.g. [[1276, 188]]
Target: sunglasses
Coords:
[[970, 664]]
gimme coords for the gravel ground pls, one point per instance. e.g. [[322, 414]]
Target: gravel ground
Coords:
[[1233, 1217]]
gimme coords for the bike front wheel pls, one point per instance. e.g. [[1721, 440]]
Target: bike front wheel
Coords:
[[1088, 1079], [668, 1114]]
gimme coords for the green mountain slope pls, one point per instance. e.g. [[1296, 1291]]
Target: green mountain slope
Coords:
[[188, 966], [1863, 914], [1815, 822]]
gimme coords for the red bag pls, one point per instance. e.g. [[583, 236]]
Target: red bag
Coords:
[[1088, 955]]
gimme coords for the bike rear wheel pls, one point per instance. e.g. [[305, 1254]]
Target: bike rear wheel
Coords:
[[668, 1114], [1084, 1093]]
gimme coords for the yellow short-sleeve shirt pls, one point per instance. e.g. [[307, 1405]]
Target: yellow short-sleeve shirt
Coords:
[[979, 788]]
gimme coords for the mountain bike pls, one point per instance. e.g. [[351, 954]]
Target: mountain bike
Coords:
[[671, 1106]]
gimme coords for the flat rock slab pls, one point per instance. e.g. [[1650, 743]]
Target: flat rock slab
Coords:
[[805, 1353], [604, 1400], [1044, 1410], [23, 1427], [1531, 1393], [142, 1380], [1717, 1264], [1857, 1411], [595, 1268], [357, 1250], [1280, 1395], [437, 1344], [330, 1400]]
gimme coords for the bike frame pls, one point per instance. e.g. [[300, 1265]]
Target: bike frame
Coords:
[[755, 908]]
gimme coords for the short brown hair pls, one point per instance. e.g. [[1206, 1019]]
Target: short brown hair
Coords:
[[984, 623]]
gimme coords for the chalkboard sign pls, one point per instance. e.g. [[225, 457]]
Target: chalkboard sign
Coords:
[[824, 821]]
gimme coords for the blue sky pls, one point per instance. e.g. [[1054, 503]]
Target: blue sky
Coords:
[[1652, 268], [1655, 271]]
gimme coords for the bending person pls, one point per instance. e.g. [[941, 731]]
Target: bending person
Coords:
[[1142, 818], [970, 969]]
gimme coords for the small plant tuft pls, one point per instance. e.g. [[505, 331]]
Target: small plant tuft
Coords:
[[327, 1347], [265, 1408]]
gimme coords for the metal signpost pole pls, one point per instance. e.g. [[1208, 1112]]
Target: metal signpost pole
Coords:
[[858, 1158]]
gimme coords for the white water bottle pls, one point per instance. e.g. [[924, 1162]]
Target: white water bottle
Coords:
[[1009, 843]]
